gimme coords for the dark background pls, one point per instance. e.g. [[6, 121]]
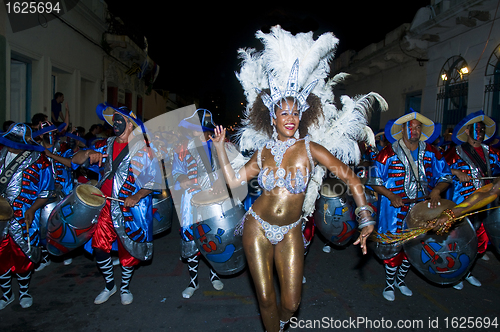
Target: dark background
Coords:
[[196, 45]]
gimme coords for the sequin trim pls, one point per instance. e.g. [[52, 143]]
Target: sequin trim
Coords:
[[268, 179]]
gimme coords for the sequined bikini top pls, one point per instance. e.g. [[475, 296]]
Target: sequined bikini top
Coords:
[[268, 180]]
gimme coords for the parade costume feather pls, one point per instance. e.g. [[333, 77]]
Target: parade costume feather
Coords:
[[346, 125]]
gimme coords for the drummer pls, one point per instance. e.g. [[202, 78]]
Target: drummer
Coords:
[[470, 161], [59, 154], [405, 170], [193, 169], [130, 175], [26, 185]]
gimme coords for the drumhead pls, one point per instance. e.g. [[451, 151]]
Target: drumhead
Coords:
[[93, 182], [420, 213], [6, 212], [85, 194], [206, 197], [333, 188]]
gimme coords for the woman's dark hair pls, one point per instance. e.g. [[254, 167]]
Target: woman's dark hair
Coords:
[[259, 118]]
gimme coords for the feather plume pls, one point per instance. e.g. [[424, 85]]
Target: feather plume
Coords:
[[336, 79], [313, 191], [370, 136], [348, 127]]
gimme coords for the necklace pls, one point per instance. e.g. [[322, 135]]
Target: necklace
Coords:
[[278, 148]]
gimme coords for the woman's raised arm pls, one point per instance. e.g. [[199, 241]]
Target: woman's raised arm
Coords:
[[233, 179]]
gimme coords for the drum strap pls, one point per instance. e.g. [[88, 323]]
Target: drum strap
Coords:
[[11, 169], [117, 161], [413, 166], [476, 159]]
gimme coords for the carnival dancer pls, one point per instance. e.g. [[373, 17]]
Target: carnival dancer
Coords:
[[59, 154], [408, 169], [471, 163], [130, 175], [277, 122], [194, 168], [26, 183]]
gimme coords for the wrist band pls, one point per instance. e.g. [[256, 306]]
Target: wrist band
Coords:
[[366, 222], [447, 225], [364, 208]]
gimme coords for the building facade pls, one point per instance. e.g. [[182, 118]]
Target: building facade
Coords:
[[444, 64], [78, 53]]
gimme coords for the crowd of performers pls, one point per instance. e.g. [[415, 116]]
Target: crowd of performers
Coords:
[[412, 168], [284, 150]]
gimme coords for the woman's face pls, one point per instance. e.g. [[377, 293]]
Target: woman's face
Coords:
[[287, 119]]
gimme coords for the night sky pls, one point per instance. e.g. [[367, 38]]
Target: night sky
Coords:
[[195, 45]]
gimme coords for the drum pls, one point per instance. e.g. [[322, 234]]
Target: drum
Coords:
[[216, 219], [334, 214], [45, 214], [163, 212], [492, 227], [72, 221], [6, 214], [440, 259]]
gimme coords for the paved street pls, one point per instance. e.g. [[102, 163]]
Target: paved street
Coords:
[[342, 289]]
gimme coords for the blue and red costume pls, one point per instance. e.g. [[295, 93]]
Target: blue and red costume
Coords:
[[460, 159], [392, 170], [33, 179], [133, 226]]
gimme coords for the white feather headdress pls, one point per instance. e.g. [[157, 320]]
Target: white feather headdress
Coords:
[[346, 126]]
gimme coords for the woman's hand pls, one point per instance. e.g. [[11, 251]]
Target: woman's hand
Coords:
[[365, 233], [219, 137]]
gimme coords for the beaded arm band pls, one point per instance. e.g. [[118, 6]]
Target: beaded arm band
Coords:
[[447, 225]]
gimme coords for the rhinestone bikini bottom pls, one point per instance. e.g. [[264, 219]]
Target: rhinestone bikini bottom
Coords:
[[273, 233]]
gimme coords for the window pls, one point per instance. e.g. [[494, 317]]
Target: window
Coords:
[[413, 102], [492, 89], [453, 88], [20, 91]]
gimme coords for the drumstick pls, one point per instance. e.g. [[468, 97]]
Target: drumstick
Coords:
[[485, 178], [111, 198], [28, 236], [414, 200]]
